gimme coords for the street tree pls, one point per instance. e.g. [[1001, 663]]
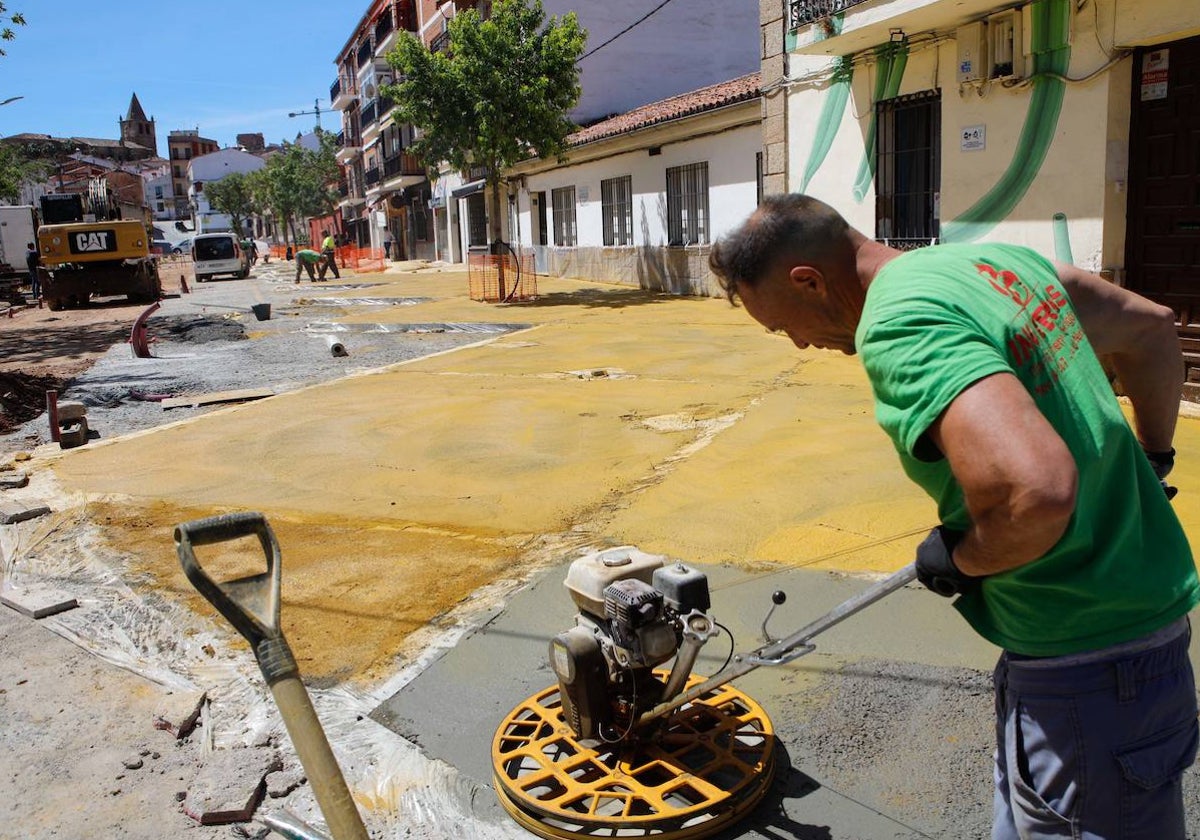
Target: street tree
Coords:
[[233, 196], [19, 166], [499, 94], [299, 182], [6, 17]]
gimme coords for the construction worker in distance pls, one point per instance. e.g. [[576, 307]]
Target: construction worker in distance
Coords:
[[1058, 539], [329, 252], [306, 258]]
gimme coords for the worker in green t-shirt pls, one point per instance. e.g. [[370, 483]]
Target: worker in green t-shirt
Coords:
[[1057, 536], [306, 258]]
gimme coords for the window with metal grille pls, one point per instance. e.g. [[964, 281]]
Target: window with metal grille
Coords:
[[616, 200], [687, 204], [563, 200], [758, 178], [420, 218], [476, 220], [908, 169]]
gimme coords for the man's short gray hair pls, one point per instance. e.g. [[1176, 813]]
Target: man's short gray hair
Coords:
[[790, 225]]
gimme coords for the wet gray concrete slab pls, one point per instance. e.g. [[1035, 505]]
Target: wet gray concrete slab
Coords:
[[884, 731]]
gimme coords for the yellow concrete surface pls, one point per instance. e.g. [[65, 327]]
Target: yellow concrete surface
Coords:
[[675, 424]]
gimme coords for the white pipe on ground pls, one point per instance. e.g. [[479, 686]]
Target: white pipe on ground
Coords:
[[336, 347]]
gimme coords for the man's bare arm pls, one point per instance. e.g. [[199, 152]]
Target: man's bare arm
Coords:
[[1140, 338], [1017, 475]]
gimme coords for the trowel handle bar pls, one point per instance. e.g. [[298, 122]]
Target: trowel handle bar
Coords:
[[780, 652]]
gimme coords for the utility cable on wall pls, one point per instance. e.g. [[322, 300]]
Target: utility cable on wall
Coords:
[[623, 31]]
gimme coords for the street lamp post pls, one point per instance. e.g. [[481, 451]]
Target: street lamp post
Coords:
[[316, 110]]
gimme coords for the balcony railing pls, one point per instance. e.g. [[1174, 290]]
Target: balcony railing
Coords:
[[349, 139], [335, 90], [343, 189], [476, 173], [402, 164], [341, 139], [364, 51], [384, 26], [440, 42], [372, 176], [368, 114], [810, 11]]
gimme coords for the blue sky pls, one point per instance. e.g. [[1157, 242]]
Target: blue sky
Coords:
[[224, 66]]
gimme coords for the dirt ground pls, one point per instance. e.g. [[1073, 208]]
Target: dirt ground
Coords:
[[42, 350]]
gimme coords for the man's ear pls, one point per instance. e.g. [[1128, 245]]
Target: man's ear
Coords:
[[806, 278]]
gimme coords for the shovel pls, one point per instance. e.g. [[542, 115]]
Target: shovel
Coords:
[[251, 605]]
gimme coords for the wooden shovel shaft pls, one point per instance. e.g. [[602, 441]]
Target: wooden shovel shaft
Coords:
[[324, 774]]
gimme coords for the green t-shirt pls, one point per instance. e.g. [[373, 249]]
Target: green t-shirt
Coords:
[[309, 256], [938, 319]]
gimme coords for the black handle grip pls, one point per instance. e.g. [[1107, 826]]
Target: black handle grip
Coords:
[[250, 604], [227, 526]]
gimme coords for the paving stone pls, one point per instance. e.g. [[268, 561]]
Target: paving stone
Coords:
[[179, 712], [11, 512], [230, 786], [71, 410], [15, 478], [37, 601], [282, 782]]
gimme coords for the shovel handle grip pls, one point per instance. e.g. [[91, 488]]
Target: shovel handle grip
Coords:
[[231, 601], [227, 526]]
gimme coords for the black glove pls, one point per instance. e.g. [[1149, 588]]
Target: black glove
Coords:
[[935, 565], [1163, 462]]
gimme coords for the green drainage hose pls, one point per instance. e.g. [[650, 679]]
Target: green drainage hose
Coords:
[[1051, 55]]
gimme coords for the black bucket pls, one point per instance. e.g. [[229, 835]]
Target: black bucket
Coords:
[[262, 311]]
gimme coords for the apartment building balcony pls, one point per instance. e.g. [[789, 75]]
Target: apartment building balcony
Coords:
[[402, 170], [368, 114], [867, 24], [440, 42], [366, 49], [349, 146], [343, 92], [371, 176], [374, 118]]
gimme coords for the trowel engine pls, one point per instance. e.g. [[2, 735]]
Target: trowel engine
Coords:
[[636, 612]]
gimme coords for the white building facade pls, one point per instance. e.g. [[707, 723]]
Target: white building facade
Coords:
[[214, 167], [1060, 125], [641, 197]]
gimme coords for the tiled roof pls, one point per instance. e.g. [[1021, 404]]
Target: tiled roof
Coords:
[[683, 105]]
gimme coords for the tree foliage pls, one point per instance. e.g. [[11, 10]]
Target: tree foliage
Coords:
[[298, 182], [233, 196], [6, 31], [18, 166], [499, 94]]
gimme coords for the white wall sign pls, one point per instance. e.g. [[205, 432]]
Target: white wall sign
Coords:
[[973, 138], [1154, 74]]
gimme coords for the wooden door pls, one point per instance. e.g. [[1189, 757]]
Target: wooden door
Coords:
[[1162, 249]]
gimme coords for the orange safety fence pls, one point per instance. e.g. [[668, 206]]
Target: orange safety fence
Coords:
[[361, 260], [494, 278]]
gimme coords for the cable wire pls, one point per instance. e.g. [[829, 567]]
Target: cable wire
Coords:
[[623, 31]]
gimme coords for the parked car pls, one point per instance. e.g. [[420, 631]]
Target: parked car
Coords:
[[183, 246], [218, 253], [161, 247]]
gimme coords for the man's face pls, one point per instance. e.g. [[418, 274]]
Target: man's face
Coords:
[[798, 304]]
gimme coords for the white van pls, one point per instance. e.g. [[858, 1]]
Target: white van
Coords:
[[218, 253]]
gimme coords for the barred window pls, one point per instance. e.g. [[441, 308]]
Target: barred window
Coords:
[[616, 199], [563, 199], [687, 204], [476, 220], [908, 169]]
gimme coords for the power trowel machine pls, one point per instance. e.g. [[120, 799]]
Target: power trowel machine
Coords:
[[624, 746]]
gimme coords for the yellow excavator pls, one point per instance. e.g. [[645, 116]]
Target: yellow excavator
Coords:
[[82, 259]]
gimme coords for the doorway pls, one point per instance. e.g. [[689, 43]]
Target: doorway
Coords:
[[1162, 246]]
